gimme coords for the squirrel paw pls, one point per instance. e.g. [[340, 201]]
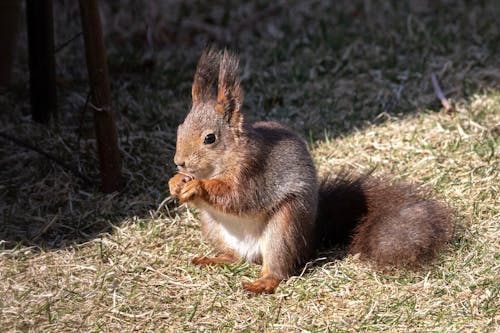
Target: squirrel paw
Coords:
[[177, 182], [191, 189], [222, 259], [266, 284]]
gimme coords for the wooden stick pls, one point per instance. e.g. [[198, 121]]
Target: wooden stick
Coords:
[[104, 115], [39, 14]]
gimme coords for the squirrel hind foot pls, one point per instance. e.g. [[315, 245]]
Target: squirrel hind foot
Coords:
[[212, 261], [266, 285]]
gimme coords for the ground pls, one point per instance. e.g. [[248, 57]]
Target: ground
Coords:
[[352, 77]]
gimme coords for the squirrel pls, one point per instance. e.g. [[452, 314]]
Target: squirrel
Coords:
[[259, 198]]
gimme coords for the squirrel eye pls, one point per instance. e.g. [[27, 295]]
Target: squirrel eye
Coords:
[[209, 139]]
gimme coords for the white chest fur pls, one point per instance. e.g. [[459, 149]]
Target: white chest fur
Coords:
[[240, 234]]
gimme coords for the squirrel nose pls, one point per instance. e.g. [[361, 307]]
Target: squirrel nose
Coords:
[[179, 162]]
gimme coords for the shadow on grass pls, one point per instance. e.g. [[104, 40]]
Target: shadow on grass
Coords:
[[316, 66]]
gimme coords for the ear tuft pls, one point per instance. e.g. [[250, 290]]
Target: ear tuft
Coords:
[[205, 76], [229, 92]]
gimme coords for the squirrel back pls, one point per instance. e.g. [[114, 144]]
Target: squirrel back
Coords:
[[259, 199]]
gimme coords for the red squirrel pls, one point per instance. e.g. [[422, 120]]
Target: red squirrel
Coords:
[[256, 188]]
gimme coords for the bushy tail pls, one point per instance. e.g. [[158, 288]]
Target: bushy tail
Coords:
[[395, 224]]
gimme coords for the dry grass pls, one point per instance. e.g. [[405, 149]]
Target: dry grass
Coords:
[[353, 78]]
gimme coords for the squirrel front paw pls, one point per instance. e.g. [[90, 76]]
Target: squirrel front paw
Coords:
[[191, 190], [177, 182]]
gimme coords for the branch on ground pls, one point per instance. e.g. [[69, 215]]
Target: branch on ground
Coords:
[[447, 108]]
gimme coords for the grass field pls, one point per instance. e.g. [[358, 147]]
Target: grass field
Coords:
[[353, 78]]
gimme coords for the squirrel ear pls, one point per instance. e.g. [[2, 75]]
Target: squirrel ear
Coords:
[[229, 92], [205, 76]]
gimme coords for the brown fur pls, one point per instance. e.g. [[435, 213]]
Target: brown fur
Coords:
[[266, 284], [220, 259], [395, 224], [205, 76], [402, 227], [259, 199]]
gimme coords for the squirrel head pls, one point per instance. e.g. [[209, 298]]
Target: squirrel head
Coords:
[[207, 140]]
